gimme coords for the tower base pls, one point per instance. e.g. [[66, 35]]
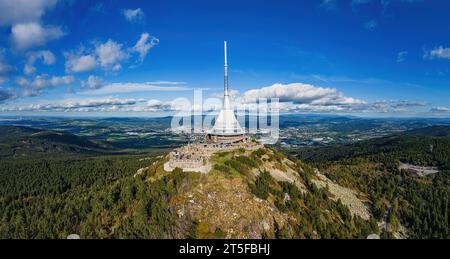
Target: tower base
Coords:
[[225, 139]]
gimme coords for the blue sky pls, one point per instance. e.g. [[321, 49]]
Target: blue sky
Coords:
[[133, 58]]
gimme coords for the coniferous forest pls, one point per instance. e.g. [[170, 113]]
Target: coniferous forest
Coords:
[[420, 204], [101, 196]]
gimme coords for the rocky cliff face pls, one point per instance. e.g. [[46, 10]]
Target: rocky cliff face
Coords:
[[226, 208]]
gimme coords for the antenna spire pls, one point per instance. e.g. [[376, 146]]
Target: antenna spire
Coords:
[[225, 83]]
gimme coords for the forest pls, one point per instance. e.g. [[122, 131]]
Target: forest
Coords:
[[421, 204], [51, 198]]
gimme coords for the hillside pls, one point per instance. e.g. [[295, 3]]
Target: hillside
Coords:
[[426, 146], [18, 141], [248, 194], [405, 201]]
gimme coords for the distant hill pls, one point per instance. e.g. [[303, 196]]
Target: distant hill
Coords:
[[427, 146], [18, 141], [433, 131]]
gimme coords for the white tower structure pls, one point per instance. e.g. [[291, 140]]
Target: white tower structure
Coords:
[[226, 128]]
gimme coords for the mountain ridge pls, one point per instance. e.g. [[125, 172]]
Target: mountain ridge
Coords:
[[19, 141]]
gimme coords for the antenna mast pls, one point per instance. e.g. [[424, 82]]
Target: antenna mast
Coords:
[[225, 70]]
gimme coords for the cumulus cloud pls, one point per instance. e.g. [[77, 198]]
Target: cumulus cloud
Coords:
[[299, 97], [157, 105], [144, 44], [46, 56], [133, 15], [22, 81], [110, 54], [407, 103], [36, 85], [295, 97], [25, 19], [439, 52], [43, 81], [61, 80], [440, 110], [93, 82], [296, 92], [95, 103], [83, 105], [20, 11], [27, 35], [5, 71], [80, 63], [116, 88]]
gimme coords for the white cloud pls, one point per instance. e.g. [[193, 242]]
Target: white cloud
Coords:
[[296, 92], [110, 54], [154, 102], [294, 98], [408, 103], [115, 88], [30, 92], [43, 81], [440, 110], [24, 17], [338, 99], [40, 82], [61, 80], [21, 11], [28, 35], [166, 83], [46, 56], [439, 52], [144, 44], [79, 105], [299, 97], [80, 63], [93, 82], [133, 15], [96, 102], [157, 105], [5, 71], [22, 82]]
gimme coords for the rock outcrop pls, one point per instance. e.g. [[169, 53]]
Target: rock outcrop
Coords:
[[224, 203]]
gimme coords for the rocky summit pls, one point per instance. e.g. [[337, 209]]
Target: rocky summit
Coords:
[[260, 194]]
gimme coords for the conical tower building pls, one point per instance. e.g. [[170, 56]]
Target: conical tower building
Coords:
[[226, 128]]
